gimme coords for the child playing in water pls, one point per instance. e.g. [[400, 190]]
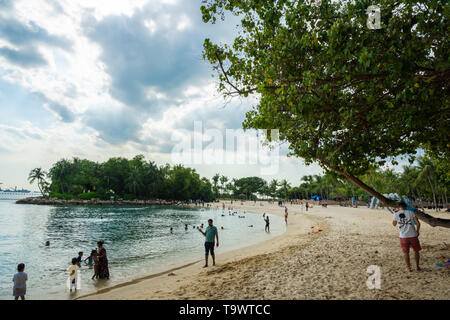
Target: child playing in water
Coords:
[[79, 258], [90, 259], [73, 272], [94, 255], [20, 283]]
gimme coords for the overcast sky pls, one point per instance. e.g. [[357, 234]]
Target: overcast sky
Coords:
[[104, 78]]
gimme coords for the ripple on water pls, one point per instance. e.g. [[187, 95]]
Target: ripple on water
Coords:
[[137, 239]]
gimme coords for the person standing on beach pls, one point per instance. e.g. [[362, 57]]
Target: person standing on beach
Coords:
[[409, 235], [285, 214], [307, 205], [103, 269], [210, 233], [73, 274], [267, 228], [20, 282]]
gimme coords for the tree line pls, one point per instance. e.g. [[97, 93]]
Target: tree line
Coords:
[[121, 178], [427, 180]]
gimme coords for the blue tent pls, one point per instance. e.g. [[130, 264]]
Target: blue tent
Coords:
[[316, 198]]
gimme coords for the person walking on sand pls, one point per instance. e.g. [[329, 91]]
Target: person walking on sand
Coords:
[[210, 233], [285, 214], [409, 235], [20, 283]]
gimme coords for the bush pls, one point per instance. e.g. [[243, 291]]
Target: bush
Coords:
[[128, 197], [76, 189], [88, 195], [64, 196]]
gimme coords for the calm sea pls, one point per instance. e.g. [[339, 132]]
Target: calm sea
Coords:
[[137, 240]]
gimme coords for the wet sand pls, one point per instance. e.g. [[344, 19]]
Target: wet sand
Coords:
[[331, 264]]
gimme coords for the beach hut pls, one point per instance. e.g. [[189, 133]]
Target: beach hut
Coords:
[[339, 197]]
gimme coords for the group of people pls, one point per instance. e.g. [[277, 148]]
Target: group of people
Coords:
[[404, 218], [98, 259]]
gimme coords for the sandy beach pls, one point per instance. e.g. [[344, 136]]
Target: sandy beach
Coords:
[[331, 264]]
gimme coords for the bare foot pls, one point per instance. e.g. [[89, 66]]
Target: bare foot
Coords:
[[205, 266], [419, 269], [408, 269]]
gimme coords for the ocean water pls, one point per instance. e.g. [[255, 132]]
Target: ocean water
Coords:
[[137, 240]]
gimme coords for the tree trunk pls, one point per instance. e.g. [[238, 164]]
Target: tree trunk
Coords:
[[432, 221], [39, 186], [434, 193]]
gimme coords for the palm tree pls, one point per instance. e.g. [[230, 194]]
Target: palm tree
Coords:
[[215, 182], [273, 187], [427, 173], [285, 186], [223, 181], [38, 175]]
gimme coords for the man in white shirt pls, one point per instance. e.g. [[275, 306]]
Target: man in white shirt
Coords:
[[409, 235]]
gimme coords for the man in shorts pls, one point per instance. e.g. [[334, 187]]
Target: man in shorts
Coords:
[[210, 233], [409, 234]]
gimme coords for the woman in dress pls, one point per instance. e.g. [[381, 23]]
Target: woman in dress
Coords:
[[103, 271]]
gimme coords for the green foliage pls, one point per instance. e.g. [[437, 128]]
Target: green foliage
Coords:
[[63, 196], [88, 196], [128, 197], [342, 95], [128, 179], [39, 175], [249, 186]]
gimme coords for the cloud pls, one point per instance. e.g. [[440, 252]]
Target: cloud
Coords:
[[26, 39], [114, 126], [151, 56], [27, 131], [28, 57], [118, 77], [20, 34], [6, 4], [61, 111]]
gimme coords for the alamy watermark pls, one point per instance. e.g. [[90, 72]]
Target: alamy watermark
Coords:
[[374, 280], [228, 147], [374, 17]]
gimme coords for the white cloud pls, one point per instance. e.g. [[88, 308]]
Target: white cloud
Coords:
[[82, 80]]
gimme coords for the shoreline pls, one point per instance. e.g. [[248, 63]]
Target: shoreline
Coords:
[[96, 202], [161, 279], [328, 265], [169, 272]]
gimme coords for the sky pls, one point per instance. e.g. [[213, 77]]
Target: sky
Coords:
[[108, 78]]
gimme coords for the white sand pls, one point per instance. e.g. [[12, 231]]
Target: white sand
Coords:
[[328, 265]]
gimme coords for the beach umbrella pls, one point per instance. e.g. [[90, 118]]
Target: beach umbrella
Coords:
[[316, 198]]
